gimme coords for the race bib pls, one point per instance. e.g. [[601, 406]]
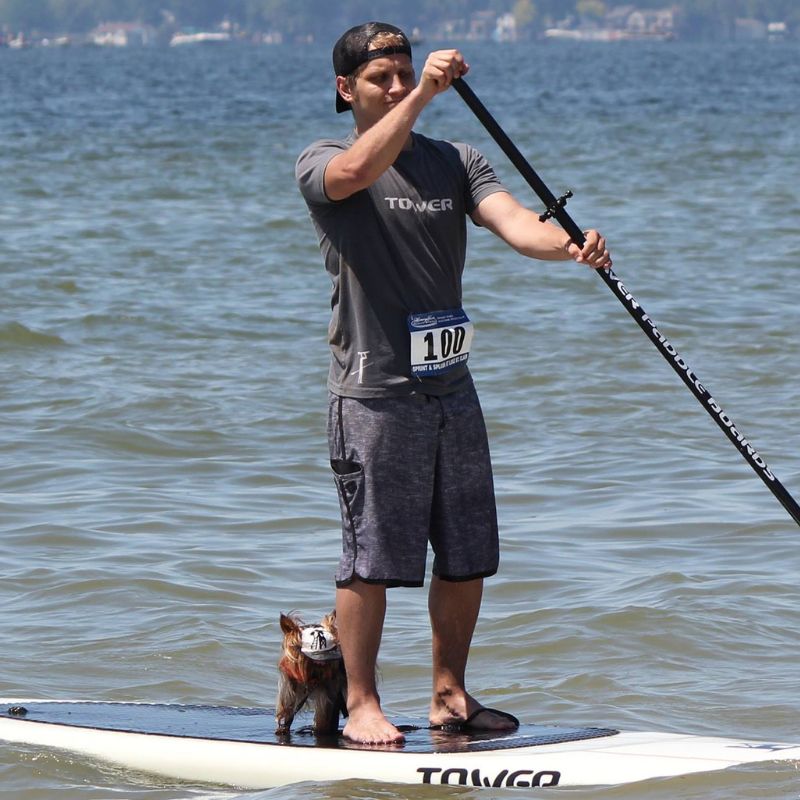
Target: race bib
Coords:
[[440, 340]]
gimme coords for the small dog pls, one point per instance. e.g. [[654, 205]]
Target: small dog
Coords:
[[310, 670]]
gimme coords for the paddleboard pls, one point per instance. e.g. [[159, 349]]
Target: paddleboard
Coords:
[[237, 747]]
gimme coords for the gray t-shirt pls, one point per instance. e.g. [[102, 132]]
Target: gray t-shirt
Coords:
[[392, 250]]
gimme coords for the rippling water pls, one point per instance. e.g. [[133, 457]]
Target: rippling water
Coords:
[[164, 492]]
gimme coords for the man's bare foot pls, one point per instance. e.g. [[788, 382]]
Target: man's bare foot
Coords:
[[459, 710], [371, 728]]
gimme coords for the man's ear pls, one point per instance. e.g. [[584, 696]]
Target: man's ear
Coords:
[[344, 89]]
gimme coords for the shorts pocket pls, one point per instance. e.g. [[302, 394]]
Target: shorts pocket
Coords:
[[349, 479], [341, 466]]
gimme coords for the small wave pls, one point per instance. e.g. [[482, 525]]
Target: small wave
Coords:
[[67, 286], [15, 335]]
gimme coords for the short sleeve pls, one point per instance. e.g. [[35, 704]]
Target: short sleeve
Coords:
[[481, 177], [310, 169]]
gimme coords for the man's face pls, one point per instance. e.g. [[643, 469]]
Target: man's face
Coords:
[[379, 87]]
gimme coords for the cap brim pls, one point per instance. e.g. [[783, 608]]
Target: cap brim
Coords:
[[325, 655]]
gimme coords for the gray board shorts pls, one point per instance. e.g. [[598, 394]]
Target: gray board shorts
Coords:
[[411, 470]]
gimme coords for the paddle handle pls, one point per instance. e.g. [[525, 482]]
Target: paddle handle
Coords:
[[556, 209]]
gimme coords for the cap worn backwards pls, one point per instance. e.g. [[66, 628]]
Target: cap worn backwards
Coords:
[[353, 49], [319, 644]]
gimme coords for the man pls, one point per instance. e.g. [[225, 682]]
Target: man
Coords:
[[406, 434]]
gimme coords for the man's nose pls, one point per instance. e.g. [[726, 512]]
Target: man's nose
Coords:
[[397, 85]]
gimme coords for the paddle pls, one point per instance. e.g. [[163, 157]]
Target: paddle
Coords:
[[555, 209]]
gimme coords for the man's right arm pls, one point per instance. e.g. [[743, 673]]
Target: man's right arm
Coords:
[[374, 151], [377, 148]]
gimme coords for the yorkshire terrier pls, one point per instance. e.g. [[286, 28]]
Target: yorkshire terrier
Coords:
[[310, 671]]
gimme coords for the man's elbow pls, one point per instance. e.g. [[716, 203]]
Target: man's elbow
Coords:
[[345, 179]]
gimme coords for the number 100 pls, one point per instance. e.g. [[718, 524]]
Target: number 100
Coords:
[[451, 341]]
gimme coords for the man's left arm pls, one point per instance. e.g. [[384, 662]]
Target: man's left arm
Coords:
[[520, 227]]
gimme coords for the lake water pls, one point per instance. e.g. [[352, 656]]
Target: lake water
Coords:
[[164, 488]]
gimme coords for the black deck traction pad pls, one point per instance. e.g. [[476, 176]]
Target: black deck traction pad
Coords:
[[258, 725]]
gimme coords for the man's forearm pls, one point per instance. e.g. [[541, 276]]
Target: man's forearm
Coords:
[[375, 150], [521, 229]]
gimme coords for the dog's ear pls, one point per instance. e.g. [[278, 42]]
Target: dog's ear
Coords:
[[288, 625], [329, 622]]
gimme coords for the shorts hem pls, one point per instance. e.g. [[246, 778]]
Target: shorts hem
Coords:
[[389, 583], [462, 578]]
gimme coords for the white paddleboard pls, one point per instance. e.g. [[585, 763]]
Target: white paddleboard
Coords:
[[237, 747]]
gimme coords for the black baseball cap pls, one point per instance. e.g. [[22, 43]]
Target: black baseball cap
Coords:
[[352, 50]]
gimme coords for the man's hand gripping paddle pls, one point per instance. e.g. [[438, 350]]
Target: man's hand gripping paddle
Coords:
[[555, 209]]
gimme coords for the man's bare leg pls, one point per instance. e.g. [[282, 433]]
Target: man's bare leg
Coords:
[[454, 607], [360, 611]]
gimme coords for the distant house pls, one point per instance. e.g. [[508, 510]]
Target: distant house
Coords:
[[777, 31], [619, 16], [750, 29], [479, 26], [619, 24], [19, 42], [641, 23], [505, 29], [482, 25], [122, 34]]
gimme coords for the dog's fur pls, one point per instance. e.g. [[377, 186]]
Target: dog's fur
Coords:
[[301, 681]]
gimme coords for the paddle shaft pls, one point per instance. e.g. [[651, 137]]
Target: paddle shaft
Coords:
[[555, 209]]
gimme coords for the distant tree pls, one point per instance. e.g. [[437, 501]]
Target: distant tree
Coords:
[[325, 19], [524, 12], [19, 14], [591, 8]]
